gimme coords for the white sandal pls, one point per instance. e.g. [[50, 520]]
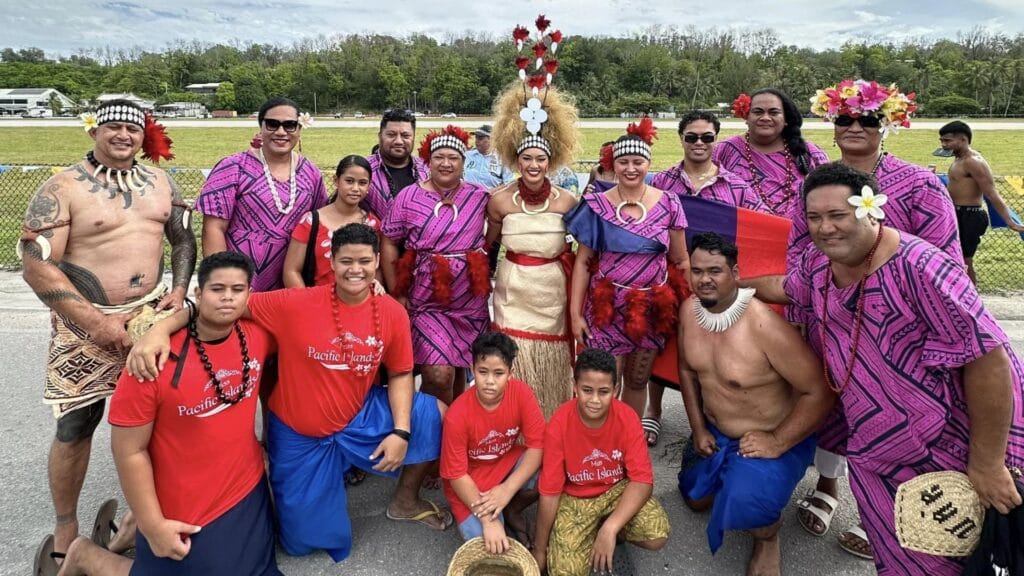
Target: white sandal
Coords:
[[819, 513], [856, 532]]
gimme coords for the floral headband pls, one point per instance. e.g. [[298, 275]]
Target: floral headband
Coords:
[[858, 98]]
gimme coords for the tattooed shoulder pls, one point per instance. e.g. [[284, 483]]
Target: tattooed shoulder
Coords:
[[47, 208]]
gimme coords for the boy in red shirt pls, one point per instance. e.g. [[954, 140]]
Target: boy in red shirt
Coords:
[[185, 448], [596, 480], [486, 470]]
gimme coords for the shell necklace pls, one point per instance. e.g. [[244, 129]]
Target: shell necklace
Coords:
[[722, 321], [272, 186]]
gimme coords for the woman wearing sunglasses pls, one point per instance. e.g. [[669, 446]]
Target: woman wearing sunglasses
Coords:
[[252, 200], [863, 113], [772, 155]]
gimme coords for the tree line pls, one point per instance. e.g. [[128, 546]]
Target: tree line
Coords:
[[664, 68]]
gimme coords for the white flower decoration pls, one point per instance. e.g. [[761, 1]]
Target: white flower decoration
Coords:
[[306, 120], [533, 115], [512, 432], [616, 455], [869, 203], [89, 121]]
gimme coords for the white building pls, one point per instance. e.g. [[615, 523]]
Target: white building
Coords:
[[182, 110], [26, 100], [140, 102], [208, 88]]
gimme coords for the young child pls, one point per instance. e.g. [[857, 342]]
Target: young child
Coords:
[[486, 470], [596, 468], [351, 183]]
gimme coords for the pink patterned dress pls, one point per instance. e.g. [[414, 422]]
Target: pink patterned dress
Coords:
[[442, 333], [904, 406]]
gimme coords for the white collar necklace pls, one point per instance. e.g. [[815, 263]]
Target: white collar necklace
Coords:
[[273, 187], [722, 321]]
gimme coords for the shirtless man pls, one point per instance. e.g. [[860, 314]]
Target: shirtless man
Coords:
[[92, 248], [969, 179], [754, 394]]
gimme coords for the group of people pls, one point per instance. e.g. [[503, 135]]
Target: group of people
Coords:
[[327, 310]]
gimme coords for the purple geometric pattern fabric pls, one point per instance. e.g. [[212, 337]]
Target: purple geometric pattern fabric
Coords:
[[770, 170], [379, 196], [632, 270], [725, 187], [905, 409], [236, 190], [441, 335]]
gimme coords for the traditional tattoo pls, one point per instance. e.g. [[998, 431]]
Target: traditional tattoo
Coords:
[[51, 297], [67, 518], [44, 209], [86, 282], [136, 281], [183, 240], [111, 188]]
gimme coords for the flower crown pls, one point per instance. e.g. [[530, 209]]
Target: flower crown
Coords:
[[862, 98]]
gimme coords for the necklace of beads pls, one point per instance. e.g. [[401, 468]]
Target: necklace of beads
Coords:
[[273, 188], [756, 182], [377, 339], [857, 319], [217, 384]]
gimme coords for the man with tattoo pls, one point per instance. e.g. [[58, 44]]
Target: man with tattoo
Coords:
[[92, 250]]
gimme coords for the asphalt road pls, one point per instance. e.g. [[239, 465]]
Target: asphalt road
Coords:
[[381, 546]]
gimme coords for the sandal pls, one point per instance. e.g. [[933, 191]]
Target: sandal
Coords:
[[824, 516], [45, 563], [444, 516], [652, 429], [855, 542], [104, 527]]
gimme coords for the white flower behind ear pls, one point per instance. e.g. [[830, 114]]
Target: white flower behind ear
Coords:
[[869, 203], [306, 120], [89, 121]]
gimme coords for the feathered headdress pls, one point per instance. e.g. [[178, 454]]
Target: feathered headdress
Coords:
[[156, 145], [450, 137], [858, 98], [525, 118], [637, 140]]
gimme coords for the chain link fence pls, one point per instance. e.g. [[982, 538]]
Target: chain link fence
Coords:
[[999, 262]]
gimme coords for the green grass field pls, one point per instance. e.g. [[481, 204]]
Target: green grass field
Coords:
[[1000, 259]]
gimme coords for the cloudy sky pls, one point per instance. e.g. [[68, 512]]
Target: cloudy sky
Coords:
[[68, 26]]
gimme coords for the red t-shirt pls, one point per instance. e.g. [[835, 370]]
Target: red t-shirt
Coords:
[[324, 275], [204, 453], [324, 375], [585, 462], [483, 443]]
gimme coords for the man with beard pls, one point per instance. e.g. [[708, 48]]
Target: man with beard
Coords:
[[754, 394], [394, 166]]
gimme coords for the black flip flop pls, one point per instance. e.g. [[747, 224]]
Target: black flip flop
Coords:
[[45, 563]]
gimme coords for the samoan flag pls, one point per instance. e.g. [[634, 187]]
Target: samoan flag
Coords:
[[761, 239]]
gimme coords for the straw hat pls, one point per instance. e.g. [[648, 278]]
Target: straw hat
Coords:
[[473, 559], [145, 320], [939, 513]]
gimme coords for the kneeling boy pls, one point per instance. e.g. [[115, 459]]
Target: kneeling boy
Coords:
[[485, 468], [596, 469]]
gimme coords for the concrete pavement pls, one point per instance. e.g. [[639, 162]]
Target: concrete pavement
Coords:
[[381, 546]]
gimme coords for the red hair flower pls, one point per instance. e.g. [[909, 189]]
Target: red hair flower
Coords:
[[741, 106]]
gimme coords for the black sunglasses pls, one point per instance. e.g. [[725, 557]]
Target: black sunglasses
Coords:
[[691, 138], [868, 121], [272, 125]]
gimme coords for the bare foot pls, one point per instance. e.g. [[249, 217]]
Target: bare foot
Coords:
[[63, 535], [765, 560], [124, 539]]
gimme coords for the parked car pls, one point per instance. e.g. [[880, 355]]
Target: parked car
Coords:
[[359, 115], [449, 115], [339, 115]]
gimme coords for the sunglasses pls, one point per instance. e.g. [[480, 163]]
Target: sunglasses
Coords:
[[691, 138], [868, 121], [272, 125]]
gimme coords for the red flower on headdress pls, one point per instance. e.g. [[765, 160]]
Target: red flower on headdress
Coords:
[[556, 39], [450, 129], [156, 145], [645, 130], [539, 49], [607, 161], [550, 66], [542, 23], [520, 34], [741, 106], [536, 82], [522, 62]]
